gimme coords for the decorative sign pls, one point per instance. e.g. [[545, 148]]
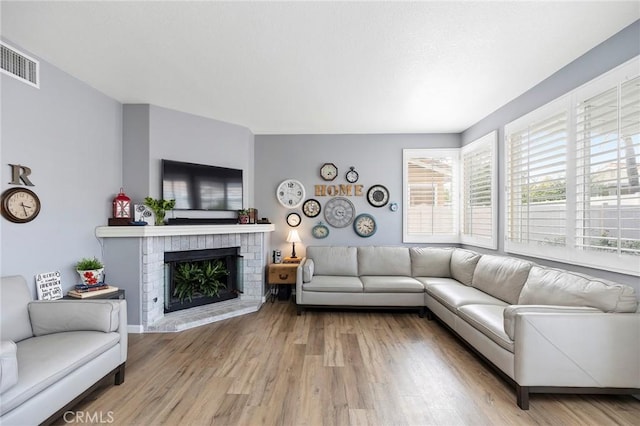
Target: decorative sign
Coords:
[[20, 173], [49, 286], [338, 190]]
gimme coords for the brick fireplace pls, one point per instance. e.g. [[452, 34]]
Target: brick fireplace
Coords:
[[135, 261]]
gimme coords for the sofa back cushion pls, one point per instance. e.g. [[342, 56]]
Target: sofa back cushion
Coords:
[[384, 261], [501, 277], [463, 264], [14, 320], [334, 260], [430, 262], [548, 286]]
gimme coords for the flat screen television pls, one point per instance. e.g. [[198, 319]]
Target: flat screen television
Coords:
[[201, 187]]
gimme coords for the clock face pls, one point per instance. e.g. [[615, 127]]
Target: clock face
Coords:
[[378, 196], [339, 212], [293, 219], [311, 208], [320, 231], [364, 225], [20, 205], [352, 176], [328, 171], [290, 193]]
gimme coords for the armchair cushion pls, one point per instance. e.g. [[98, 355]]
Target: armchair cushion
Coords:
[[8, 365], [59, 316]]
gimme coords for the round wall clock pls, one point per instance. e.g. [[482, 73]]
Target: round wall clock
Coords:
[[293, 219], [311, 208], [393, 207], [352, 176], [378, 196], [328, 171], [339, 212], [290, 193], [320, 231], [20, 205], [364, 225]]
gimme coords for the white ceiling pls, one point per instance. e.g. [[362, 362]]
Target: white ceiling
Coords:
[[316, 67]]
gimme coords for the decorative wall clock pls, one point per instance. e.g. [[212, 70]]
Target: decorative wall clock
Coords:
[[293, 219], [311, 208], [352, 176], [320, 231], [339, 212], [20, 205], [290, 193], [328, 171], [364, 225], [378, 196]]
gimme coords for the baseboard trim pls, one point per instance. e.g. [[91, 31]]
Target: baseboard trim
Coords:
[[135, 329]]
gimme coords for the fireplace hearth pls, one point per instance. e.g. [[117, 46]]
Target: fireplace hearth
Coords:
[[185, 268]]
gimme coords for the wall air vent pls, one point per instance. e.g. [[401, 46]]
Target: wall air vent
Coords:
[[20, 66]]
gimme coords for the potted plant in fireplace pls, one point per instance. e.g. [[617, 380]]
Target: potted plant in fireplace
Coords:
[[204, 278], [91, 270], [159, 208]]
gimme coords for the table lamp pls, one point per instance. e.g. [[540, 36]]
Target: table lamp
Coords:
[[293, 238]]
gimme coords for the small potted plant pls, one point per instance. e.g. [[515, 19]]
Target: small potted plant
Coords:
[[243, 216], [159, 208], [91, 270]]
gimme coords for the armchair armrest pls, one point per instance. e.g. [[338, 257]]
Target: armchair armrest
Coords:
[[300, 276], [577, 349], [8, 365]]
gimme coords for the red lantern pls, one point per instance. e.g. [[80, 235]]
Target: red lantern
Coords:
[[122, 206]]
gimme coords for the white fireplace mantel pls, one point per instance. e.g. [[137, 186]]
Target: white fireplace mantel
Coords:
[[176, 230]]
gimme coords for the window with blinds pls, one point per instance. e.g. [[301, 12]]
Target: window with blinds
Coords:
[[430, 204], [573, 191], [479, 187]]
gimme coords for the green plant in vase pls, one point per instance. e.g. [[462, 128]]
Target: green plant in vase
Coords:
[[91, 270], [159, 208]]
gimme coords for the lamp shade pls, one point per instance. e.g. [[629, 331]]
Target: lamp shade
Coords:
[[293, 237]]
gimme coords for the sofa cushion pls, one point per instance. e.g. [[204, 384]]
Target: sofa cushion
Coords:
[[44, 360], [548, 286], [307, 270], [463, 263], [501, 277], [8, 365], [384, 261], [391, 284], [430, 262], [487, 319], [453, 296], [334, 260], [15, 324], [429, 281], [73, 315], [330, 283], [510, 313]]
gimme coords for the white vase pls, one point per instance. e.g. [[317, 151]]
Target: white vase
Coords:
[[91, 277]]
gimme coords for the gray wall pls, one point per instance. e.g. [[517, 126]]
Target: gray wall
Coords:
[[377, 159], [152, 133], [70, 136], [604, 57]]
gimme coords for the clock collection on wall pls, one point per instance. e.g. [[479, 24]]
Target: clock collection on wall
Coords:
[[338, 211]]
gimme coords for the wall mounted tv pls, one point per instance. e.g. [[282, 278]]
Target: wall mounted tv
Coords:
[[201, 187]]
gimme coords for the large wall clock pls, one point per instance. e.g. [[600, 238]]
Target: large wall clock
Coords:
[[20, 205], [378, 196], [290, 193], [339, 212], [364, 225]]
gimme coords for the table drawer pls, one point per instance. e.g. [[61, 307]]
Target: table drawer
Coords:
[[282, 274]]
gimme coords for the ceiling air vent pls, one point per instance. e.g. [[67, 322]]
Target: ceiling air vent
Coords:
[[19, 65]]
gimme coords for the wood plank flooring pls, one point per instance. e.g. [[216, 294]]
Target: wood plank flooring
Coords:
[[326, 367]]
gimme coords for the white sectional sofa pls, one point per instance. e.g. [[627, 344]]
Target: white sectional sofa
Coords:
[[55, 352], [545, 330]]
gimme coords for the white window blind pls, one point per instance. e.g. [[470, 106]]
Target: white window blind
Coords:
[[572, 176], [479, 186], [430, 206]]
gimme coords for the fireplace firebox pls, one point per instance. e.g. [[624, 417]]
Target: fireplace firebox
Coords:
[[187, 268]]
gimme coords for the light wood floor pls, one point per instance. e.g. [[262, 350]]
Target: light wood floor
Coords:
[[327, 368]]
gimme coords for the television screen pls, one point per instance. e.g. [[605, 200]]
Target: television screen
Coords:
[[201, 187]]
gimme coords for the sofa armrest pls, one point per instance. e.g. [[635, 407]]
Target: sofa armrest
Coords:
[[512, 311], [8, 365], [577, 349]]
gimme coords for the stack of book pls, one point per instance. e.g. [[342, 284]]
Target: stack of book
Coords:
[[82, 291]]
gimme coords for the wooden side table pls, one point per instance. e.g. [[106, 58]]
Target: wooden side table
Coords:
[[281, 274]]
